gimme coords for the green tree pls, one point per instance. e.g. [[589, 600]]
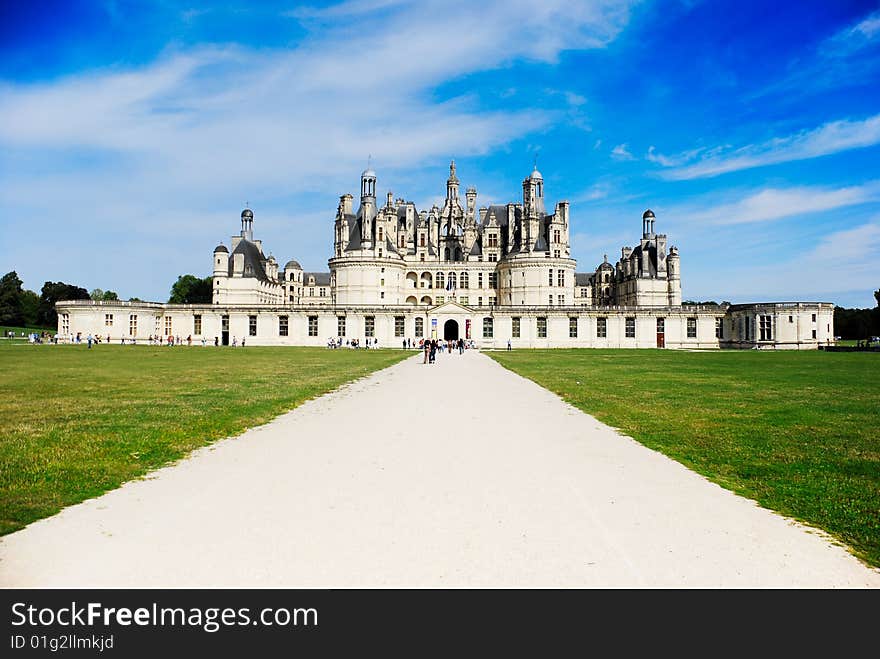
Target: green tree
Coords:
[[30, 304], [189, 289], [101, 295], [10, 300], [56, 291]]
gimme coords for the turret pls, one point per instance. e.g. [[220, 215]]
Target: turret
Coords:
[[648, 224], [471, 197], [247, 224], [452, 183], [221, 261], [673, 277]]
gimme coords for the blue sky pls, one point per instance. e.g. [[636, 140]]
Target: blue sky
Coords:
[[132, 133]]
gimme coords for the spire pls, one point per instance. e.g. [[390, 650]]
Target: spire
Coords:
[[452, 183]]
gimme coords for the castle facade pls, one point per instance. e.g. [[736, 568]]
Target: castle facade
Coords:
[[492, 274]]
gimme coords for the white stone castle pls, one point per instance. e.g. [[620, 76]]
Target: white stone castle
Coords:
[[495, 275]]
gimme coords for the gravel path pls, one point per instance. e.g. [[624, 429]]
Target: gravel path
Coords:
[[457, 474]]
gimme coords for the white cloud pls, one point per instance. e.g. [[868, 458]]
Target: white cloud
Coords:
[[832, 137], [621, 152], [853, 37], [841, 267], [204, 128], [777, 203]]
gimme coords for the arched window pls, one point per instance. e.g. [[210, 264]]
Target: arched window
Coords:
[[438, 281], [463, 280], [420, 327], [451, 280]]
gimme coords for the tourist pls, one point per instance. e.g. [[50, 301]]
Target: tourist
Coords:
[[234, 342], [242, 342], [89, 341], [216, 341], [427, 349], [508, 345]]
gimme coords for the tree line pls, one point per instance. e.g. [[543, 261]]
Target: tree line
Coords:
[[858, 323], [20, 307]]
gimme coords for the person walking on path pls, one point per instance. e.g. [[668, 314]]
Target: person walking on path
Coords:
[[427, 352]]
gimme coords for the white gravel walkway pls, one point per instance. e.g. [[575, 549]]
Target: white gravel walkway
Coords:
[[457, 474]]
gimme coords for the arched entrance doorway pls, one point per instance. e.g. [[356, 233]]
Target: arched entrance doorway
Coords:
[[450, 330]]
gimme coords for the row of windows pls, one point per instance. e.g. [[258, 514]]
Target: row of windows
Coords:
[[765, 326]]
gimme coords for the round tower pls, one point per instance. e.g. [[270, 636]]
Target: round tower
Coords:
[[221, 261]]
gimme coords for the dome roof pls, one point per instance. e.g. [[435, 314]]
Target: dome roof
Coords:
[[221, 248], [247, 212], [536, 175], [648, 213], [293, 265]]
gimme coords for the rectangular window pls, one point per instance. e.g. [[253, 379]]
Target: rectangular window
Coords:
[[311, 292], [630, 328], [691, 328], [550, 300], [282, 325], [197, 324], [573, 327], [814, 318], [492, 300], [661, 326], [369, 326], [493, 257], [542, 327], [65, 323], [464, 300], [252, 325], [340, 325], [420, 327], [514, 327], [550, 277], [560, 300], [560, 277], [422, 242], [479, 301], [766, 327], [719, 328], [322, 292], [814, 334], [108, 320], [790, 318], [441, 299], [398, 326], [601, 327], [493, 280], [480, 280], [747, 328], [488, 328], [556, 236], [168, 326], [382, 295], [133, 325]]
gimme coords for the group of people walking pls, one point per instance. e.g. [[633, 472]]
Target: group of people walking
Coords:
[[432, 346]]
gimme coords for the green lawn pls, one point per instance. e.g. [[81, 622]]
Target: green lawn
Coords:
[[27, 330], [795, 431], [76, 422]]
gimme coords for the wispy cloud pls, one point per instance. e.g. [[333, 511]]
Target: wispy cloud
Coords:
[[853, 37], [621, 152], [204, 125], [829, 138], [778, 203]]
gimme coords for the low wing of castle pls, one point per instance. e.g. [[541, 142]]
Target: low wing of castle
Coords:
[[496, 274]]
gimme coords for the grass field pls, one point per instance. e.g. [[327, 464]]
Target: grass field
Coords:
[[795, 431], [76, 422], [27, 330]]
